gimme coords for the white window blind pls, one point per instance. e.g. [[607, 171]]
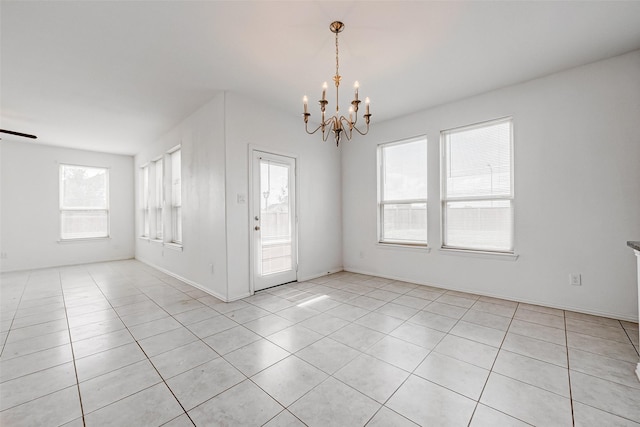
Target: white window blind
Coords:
[[477, 183], [84, 202], [403, 192], [176, 196], [159, 198]]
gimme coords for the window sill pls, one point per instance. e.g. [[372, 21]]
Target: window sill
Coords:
[[84, 240], [173, 246], [480, 254], [156, 241], [418, 248]]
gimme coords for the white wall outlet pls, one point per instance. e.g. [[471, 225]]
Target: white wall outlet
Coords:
[[3, 255], [575, 279], [212, 269]]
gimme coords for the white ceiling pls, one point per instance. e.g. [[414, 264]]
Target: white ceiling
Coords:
[[114, 75]]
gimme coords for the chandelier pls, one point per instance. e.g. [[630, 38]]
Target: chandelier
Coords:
[[337, 123]]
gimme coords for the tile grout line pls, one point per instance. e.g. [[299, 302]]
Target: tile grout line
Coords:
[[410, 373], [144, 352], [353, 322], [629, 337], [13, 319], [424, 358], [491, 371], [73, 355], [566, 340], [348, 362]]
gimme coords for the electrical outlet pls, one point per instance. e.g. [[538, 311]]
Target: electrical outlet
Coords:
[[3, 255], [212, 269], [575, 279]]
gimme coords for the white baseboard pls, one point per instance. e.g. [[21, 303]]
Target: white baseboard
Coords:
[[315, 276], [506, 297], [71, 264], [238, 297], [185, 280]]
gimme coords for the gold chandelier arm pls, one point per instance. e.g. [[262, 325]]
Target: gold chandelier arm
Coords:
[[306, 127], [323, 126], [325, 136], [360, 132], [347, 126]]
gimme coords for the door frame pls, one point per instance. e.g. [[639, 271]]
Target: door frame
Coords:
[[251, 149]]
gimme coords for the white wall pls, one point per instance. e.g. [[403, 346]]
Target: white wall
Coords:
[[577, 192], [215, 157], [201, 137], [319, 188], [30, 209]]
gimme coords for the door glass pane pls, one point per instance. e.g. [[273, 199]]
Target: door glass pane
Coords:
[[275, 218]]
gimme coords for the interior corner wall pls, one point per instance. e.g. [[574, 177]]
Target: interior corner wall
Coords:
[[251, 124], [577, 192], [30, 207], [202, 260]]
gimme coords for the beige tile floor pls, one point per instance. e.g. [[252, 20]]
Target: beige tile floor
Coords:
[[123, 344]]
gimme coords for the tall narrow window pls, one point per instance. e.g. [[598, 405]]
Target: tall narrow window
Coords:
[[402, 201], [84, 202], [159, 198], [477, 183], [145, 200], [176, 196]]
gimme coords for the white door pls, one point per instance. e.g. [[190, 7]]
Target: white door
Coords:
[[273, 220]]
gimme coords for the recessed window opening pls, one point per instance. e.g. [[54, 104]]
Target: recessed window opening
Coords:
[[84, 202], [402, 192], [477, 187]]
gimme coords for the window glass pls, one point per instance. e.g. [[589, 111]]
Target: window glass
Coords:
[[478, 187], [403, 192], [159, 198], [176, 196], [84, 202]]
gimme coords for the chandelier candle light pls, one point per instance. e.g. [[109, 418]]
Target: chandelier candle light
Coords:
[[337, 123]]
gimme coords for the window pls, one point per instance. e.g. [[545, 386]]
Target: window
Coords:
[[159, 198], [84, 202], [145, 200], [402, 206], [477, 184], [176, 196]]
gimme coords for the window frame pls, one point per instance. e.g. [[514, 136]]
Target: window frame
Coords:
[[62, 208], [144, 202], [444, 199], [175, 207], [382, 202], [158, 206]]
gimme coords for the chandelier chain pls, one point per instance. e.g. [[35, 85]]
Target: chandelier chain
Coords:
[[337, 77], [337, 56]]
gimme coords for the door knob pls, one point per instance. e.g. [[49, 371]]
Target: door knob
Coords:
[[257, 228]]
